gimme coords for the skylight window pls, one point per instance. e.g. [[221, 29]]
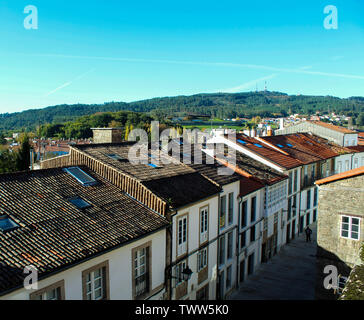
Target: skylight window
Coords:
[[116, 157], [81, 176], [258, 145], [153, 165], [279, 145], [6, 224], [289, 145], [241, 141], [80, 203]]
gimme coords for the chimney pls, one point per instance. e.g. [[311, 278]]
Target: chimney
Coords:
[[281, 123], [269, 131], [107, 135]]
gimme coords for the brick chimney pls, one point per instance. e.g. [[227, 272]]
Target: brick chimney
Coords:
[[107, 135]]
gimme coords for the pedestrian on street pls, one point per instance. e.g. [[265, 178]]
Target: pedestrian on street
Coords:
[[308, 232]]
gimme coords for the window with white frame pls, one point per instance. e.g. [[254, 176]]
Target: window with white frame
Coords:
[[222, 250], [182, 235], [141, 271], [231, 208], [230, 245], [350, 227], [339, 167], [222, 211], [202, 258], [95, 282], [204, 223], [52, 292], [179, 272]]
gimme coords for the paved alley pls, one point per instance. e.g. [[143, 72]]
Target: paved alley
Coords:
[[288, 275]]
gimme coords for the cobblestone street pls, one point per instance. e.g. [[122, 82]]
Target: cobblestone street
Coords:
[[290, 275]]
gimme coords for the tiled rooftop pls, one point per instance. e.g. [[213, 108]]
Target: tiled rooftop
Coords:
[[271, 154], [340, 176], [53, 232], [302, 147]]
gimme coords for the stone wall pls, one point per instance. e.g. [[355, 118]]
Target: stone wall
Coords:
[[107, 135], [343, 197]]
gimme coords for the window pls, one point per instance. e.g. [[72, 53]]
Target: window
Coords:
[[182, 236], [252, 233], [222, 211], [230, 245], [253, 209], [243, 239], [141, 266], [231, 208], [179, 272], [290, 182], [95, 282], [228, 277], [222, 250], [204, 223], [289, 208], [346, 165], [203, 293], [81, 176], [295, 181], [356, 163], [244, 214], [315, 197], [339, 167], [294, 206], [308, 202], [6, 224], [265, 224], [202, 259], [52, 292], [80, 203], [313, 169], [350, 227]]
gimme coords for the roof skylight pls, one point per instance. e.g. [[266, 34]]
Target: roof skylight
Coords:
[[80, 203], [258, 145], [6, 224], [116, 157], [241, 141], [289, 145], [81, 176], [279, 145]]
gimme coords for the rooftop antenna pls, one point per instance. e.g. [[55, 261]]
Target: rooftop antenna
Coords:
[[265, 86], [256, 87]]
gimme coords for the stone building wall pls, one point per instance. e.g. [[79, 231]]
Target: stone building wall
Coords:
[[107, 135], [343, 197]]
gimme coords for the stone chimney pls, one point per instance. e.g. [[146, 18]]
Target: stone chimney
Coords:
[[107, 135]]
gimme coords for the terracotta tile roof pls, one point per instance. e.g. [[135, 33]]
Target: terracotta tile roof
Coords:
[[268, 153], [358, 148], [248, 186], [53, 232], [360, 138], [302, 146], [344, 175], [333, 127]]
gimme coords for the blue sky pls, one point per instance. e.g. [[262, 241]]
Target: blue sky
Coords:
[[100, 51]]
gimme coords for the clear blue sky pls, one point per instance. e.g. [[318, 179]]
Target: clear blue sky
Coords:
[[99, 51]]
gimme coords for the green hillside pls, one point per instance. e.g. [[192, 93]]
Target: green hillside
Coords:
[[215, 105]]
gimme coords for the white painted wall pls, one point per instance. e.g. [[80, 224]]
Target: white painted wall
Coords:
[[193, 230], [120, 272]]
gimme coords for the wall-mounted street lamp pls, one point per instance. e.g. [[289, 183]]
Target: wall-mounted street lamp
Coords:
[[186, 274]]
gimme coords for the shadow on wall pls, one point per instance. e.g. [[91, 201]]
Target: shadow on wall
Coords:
[[10, 277], [325, 258]]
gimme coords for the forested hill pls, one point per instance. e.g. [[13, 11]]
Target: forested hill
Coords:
[[221, 105]]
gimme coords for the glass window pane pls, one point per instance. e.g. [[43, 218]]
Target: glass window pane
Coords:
[[346, 219], [344, 233], [355, 221]]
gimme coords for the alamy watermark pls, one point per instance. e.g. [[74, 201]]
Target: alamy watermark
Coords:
[[170, 145], [331, 20], [31, 280], [31, 20]]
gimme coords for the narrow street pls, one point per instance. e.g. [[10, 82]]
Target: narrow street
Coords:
[[290, 275]]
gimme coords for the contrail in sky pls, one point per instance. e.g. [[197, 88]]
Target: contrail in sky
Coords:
[[217, 64], [68, 83]]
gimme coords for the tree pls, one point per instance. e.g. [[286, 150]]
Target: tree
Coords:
[[23, 155], [360, 119], [2, 139]]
